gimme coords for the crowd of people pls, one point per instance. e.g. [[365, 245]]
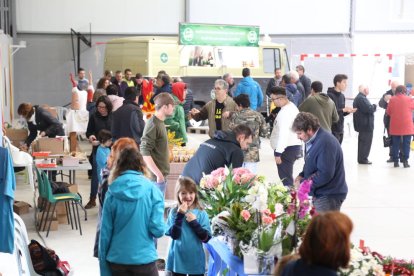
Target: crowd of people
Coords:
[[129, 176]]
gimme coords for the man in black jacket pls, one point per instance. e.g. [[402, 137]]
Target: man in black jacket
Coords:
[[336, 94], [384, 104], [364, 123], [304, 80], [225, 149], [128, 120]]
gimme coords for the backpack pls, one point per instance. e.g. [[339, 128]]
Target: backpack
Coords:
[[46, 262], [59, 187]]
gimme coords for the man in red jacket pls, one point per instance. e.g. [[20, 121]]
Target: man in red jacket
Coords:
[[400, 109]]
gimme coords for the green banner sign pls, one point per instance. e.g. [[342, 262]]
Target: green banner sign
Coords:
[[219, 35]]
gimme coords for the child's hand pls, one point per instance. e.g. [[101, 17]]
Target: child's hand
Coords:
[[190, 217], [183, 208]]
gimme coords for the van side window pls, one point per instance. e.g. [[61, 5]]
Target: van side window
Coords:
[[271, 60]]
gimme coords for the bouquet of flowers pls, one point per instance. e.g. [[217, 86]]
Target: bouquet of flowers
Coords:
[[252, 215], [223, 187], [362, 264]]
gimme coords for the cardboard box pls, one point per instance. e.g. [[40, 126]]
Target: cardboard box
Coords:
[[17, 136], [60, 208], [63, 219], [53, 226], [50, 216], [21, 207], [54, 145], [73, 188]]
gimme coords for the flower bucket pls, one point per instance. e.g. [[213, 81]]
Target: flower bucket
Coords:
[[258, 263]]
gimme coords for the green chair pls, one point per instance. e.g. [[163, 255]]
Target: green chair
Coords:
[[44, 203], [50, 199]]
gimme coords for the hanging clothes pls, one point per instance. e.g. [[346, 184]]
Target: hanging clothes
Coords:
[[7, 188]]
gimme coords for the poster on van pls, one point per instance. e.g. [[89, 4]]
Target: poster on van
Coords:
[[219, 56]]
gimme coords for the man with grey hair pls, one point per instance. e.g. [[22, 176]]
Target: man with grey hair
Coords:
[[228, 77], [294, 78], [216, 110], [364, 123], [384, 104], [304, 80]]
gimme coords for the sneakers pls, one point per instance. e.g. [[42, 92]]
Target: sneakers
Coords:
[[91, 203]]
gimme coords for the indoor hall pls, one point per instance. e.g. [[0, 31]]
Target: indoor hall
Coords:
[[42, 43]]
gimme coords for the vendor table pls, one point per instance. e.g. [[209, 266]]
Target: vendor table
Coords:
[[72, 169]]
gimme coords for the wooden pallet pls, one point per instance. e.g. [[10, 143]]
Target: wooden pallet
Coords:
[[198, 130]]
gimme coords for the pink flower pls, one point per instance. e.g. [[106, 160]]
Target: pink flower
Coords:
[[267, 220], [242, 176], [304, 189], [212, 183], [218, 173], [237, 179], [278, 209], [241, 171], [266, 212], [245, 214], [247, 178]]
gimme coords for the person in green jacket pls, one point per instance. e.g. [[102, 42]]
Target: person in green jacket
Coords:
[[176, 122]]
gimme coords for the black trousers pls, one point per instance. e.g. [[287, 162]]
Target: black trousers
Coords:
[[134, 270], [339, 136], [364, 145], [285, 169]]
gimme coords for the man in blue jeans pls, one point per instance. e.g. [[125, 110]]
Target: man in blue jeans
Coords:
[[324, 164]]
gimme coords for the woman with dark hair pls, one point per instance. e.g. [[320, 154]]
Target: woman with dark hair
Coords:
[[102, 83], [98, 120], [39, 119], [325, 248], [133, 215]]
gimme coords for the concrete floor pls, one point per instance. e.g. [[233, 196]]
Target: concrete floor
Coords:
[[379, 203]]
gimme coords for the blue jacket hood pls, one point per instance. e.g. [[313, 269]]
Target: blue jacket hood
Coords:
[[247, 81], [128, 186]]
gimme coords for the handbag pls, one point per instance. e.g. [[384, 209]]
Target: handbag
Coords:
[[386, 140]]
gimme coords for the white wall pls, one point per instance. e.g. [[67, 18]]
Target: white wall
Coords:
[[384, 15], [6, 85], [106, 16], [276, 16]]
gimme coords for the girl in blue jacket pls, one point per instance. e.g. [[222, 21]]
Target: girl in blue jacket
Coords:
[[188, 226], [133, 215]]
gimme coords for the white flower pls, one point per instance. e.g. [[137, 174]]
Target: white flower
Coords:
[[226, 171], [279, 209]]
